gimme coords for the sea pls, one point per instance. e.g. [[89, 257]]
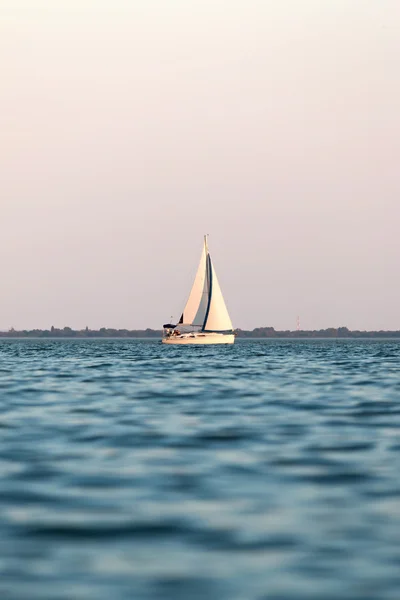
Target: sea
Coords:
[[265, 470]]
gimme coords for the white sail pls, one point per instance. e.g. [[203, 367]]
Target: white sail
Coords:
[[205, 309], [196, 306], [218, 318]]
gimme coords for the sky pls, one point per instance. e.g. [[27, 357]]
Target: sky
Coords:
[[130, 128]]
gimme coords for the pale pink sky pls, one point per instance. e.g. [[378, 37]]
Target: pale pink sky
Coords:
[[128, 129]]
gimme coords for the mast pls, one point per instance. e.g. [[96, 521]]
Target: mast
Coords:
[[209, 277]]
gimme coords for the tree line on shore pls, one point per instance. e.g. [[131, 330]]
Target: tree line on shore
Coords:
[[258, 332]]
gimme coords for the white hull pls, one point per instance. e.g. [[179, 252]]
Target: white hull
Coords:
[[200, 339]]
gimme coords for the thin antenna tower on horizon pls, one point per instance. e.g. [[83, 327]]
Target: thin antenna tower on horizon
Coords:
[[298, 324]]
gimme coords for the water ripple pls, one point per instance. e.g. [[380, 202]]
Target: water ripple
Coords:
[[265, 470]]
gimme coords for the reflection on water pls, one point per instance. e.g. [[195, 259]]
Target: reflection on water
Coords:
[[270, 469]]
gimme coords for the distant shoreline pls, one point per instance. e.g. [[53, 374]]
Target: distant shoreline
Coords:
[[257, 333]]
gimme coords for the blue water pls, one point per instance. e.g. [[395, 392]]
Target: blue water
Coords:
[[267, 470]]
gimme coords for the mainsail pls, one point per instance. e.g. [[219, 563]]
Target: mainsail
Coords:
[[217, 317], [206, 307]]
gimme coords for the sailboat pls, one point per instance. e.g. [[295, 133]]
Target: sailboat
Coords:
[[205, 318]]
